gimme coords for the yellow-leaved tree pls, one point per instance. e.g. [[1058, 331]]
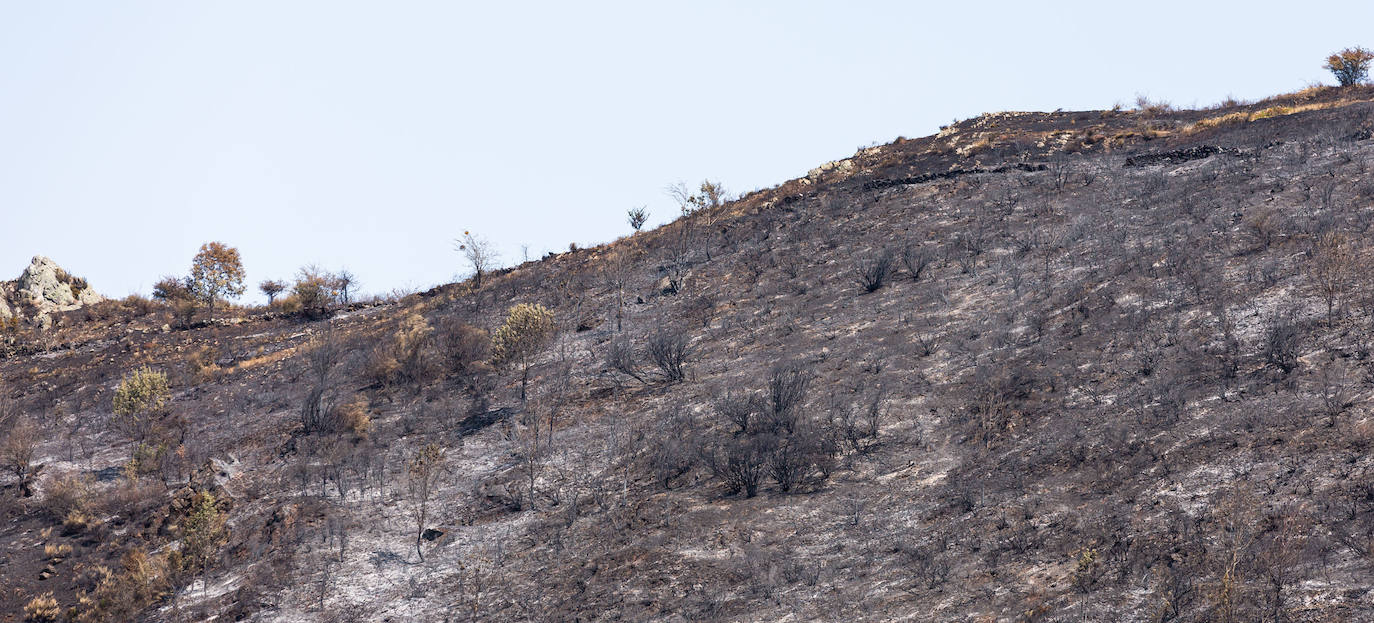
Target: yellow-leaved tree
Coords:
[[216, 272]]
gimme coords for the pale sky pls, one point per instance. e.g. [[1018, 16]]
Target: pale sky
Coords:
[[368, 135]]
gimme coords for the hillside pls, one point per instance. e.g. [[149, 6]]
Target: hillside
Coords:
[[1068, 366]]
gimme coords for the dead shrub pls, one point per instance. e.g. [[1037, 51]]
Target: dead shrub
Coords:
[[467, 348], [65, 494], [408, 356], [142, 580], [668, 349], [42, 609], [872, 272], [352, 417]]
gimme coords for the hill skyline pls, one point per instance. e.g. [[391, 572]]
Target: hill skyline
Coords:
[[159, 130]]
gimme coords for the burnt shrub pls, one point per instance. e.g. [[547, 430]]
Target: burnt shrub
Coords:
[[739, 409], [674, 451], [668, 349], [466, 348], [620, 357], [1282, 341], [787, 385], [856, 425], [916, 259], [806, 456], [872, 271], [738, 462]]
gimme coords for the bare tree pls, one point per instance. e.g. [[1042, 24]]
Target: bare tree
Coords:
[[1332, 270], [348, 284], [322, 356], [480, 254], [1334, 391], [615, 272], [422, 479]]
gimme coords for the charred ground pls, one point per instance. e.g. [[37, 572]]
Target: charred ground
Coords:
[[1107, 365]]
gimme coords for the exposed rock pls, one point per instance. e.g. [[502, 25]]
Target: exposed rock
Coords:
[[41, 285], [842, 166], [44, 288]]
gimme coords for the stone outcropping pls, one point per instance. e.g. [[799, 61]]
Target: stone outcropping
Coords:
[[44, 288]]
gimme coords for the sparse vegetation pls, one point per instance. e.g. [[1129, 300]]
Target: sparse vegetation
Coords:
[[1128, 383], [314, 294], [141, 408], [422, 478], [17, 451]]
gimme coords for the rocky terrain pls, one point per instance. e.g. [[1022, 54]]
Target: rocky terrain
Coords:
[[1070, 366], [43, 288]]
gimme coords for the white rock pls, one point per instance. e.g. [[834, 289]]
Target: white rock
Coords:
[[41, 285]]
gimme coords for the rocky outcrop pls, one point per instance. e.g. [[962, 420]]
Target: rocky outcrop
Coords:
[[44, 288]]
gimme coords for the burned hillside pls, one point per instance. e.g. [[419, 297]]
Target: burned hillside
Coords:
[[1102, 365]]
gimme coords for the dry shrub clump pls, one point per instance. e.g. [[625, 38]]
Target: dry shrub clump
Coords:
[[353, 417], [78, 521], [42, 609], [56, 551], [408, 356], [67, 494], [119, 596], [467, 348], [201, 365]]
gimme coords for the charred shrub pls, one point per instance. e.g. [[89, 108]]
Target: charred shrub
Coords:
[[668, 350], [872, 271]]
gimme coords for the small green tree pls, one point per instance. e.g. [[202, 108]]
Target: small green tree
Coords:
[[202, 534], [216, 272], [1350, 66], [140, 404], [529, 328]]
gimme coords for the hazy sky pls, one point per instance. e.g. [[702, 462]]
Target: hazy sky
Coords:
[[369, 135]]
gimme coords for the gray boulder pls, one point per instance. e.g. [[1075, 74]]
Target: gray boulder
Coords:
[[41, 286], [42, 289], [50, 289]]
